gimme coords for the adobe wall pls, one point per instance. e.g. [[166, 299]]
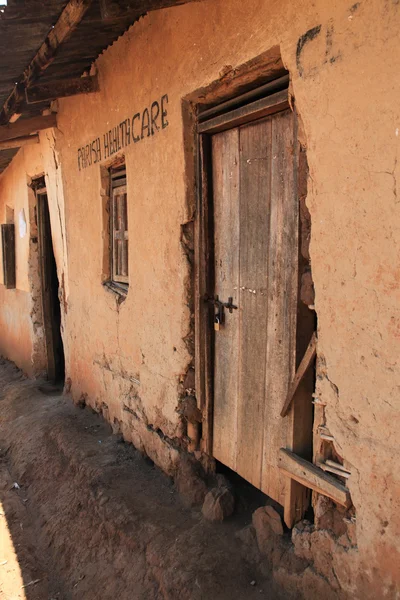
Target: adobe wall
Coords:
[[17, 306], [21, 319], [129, 359]]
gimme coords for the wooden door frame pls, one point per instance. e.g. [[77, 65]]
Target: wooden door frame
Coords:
[[204, 251]]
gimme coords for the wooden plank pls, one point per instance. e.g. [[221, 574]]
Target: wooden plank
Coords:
[[255, 184], [61, 89], [27, 140], [225, 162], [281, 290], [263, 90], [239, 116], [26, 127], [333, 469], [313, 477], [8, 252], [302, 369]]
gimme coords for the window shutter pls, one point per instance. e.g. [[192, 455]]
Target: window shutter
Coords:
[[8, 247], [120, 235]]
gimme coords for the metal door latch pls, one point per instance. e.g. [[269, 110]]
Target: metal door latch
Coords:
[[219, 317]]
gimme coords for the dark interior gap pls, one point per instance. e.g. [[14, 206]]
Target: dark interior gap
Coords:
[[50, 299]]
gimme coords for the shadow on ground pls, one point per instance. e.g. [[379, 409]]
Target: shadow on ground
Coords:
[[93, 520]]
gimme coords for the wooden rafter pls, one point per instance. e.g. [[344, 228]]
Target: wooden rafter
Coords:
[[68, 21], [26, 127], [26, 140], [61, 89]]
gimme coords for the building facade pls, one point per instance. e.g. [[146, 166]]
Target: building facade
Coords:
[[126, 186]]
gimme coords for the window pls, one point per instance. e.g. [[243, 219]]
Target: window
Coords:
[[119, 228], [8, 248]]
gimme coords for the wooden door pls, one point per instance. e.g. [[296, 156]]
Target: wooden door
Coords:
[[255, 204]]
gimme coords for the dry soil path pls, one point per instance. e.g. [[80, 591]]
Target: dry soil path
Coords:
[[92, 520]]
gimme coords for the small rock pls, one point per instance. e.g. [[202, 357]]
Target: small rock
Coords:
[[218, 504], [274, 520], [190, 483], [253, 582], [267, 524]]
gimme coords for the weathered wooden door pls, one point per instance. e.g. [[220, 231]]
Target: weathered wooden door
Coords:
[[255, 204]]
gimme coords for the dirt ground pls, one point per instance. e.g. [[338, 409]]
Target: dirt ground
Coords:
[[93, 519]]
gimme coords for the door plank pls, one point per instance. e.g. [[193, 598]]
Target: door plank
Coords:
[[310, 475], [255, 200], [225, 151], [282, 297]]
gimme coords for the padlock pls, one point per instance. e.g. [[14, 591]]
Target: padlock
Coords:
[[217, 323]]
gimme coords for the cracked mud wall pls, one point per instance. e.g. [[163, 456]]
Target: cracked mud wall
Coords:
[[128, 359], [21, 326]]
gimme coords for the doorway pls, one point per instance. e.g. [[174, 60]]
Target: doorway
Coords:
[[49, 285], [248, 281]]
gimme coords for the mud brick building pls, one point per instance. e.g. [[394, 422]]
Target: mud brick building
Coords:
[[201, 238]]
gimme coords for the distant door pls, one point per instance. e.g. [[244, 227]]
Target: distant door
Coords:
[[255, 215], [49, 285]]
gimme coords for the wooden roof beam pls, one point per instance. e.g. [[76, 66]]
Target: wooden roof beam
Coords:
[[61, 89], [26, 127], [68, 21], [26, 140]]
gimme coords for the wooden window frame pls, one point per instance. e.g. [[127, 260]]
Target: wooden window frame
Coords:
[[117, 187]]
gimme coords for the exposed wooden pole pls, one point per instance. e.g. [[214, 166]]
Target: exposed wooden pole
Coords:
[[26, 127], [68, 21], [301, 371], [313, 477], [19, 142], [61, 89]]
